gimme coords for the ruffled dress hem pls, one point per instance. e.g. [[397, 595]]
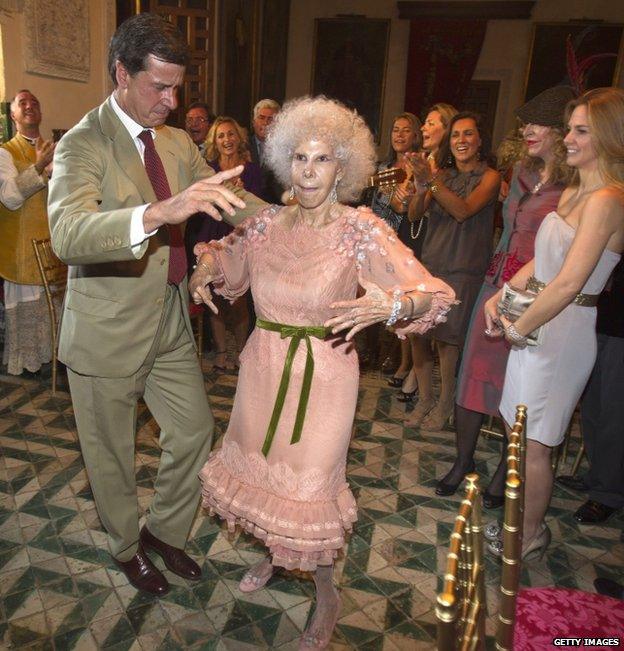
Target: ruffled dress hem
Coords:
[[300, 534]]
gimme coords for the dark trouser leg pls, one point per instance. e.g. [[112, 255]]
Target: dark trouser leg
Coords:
[[602, 419]]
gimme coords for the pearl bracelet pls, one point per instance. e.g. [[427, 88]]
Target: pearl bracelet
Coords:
[[516, 338], [396, 308]]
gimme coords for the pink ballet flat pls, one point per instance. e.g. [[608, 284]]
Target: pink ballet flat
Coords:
[[250, 582]]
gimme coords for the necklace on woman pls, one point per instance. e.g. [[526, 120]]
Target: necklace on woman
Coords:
[[420, 223], [538, 186]]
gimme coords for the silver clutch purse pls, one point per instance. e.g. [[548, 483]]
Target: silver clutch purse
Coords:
[[513, 303]]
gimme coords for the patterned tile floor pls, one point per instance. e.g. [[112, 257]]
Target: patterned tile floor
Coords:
[[59, 589]]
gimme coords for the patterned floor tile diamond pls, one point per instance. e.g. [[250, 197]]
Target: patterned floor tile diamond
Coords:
[[60, 590]]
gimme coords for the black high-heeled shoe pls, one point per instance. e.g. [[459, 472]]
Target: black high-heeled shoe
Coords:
[[396, 382], [491, 501], [407, 396], [444, 489]]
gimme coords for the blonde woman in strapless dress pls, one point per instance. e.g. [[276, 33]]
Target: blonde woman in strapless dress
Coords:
[[576, 249]]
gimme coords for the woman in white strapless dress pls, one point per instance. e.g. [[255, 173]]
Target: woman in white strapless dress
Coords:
[[576, 249]]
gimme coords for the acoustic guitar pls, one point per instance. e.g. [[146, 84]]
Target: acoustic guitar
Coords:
[[387, 179]]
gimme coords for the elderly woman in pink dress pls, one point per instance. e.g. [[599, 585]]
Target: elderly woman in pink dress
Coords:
[[281, 471]]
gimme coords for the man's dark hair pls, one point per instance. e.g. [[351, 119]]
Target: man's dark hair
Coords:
[[202, 105], [142, 35]]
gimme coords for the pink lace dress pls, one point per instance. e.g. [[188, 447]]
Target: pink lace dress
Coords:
[[296, 499]]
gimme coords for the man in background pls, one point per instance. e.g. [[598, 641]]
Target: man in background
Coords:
[[264, 113], [23, 217], [198, 121], [602, 413]]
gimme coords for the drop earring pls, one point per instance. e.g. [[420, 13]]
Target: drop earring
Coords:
[[291, 195]]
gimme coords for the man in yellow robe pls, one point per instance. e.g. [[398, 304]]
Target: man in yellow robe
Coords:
[[23, 216]]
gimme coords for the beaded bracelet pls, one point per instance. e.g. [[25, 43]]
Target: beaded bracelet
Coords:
[[516, 338], [396, 308]]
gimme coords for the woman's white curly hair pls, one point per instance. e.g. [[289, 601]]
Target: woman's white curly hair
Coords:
[[327, 120]]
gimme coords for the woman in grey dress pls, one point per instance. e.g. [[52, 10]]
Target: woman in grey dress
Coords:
[[460, 202]]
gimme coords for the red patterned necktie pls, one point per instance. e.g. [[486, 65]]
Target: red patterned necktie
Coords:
[[158, 179]]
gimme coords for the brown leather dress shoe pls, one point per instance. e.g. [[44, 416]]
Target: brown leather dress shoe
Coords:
[[143, 574], [593, 512], [175, 559]]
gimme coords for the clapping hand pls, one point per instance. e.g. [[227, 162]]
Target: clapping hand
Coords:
[[421, 171], [44, 152]]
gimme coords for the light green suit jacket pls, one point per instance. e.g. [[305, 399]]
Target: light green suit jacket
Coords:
[[114, 295]]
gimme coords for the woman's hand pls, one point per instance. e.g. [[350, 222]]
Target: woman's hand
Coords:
[[403, 194], [492, 319], [199, 285], [373, 307], [421, 170]]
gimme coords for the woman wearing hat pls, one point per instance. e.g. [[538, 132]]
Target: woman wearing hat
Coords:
[[536, 185], [576, 249]]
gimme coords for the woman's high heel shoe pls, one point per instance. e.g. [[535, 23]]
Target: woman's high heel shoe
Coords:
[[407, 396], [438, 417], [423, 407], [446, 488], [396, 382], [539, 543], [491, 501]]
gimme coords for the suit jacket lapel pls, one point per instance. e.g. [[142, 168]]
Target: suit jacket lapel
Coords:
[[126, 153]]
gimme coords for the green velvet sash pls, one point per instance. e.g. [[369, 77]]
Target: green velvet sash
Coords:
[[296, 334]]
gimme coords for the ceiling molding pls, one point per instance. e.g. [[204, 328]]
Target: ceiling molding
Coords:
[[457, 10]]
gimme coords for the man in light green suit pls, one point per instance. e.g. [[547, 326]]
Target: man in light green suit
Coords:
[[122, 184]]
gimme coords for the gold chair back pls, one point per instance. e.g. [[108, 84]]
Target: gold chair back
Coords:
[[512, 531], [460, 607], [53, 274]]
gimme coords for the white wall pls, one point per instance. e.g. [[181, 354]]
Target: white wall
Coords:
[[63, 102]]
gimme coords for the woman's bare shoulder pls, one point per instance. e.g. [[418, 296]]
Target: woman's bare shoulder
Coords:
[[608, 199]]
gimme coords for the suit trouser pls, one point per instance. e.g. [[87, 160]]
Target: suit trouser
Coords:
[[602, 419], [172, 385]]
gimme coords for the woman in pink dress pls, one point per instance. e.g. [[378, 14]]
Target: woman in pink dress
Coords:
[[281, 471]]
